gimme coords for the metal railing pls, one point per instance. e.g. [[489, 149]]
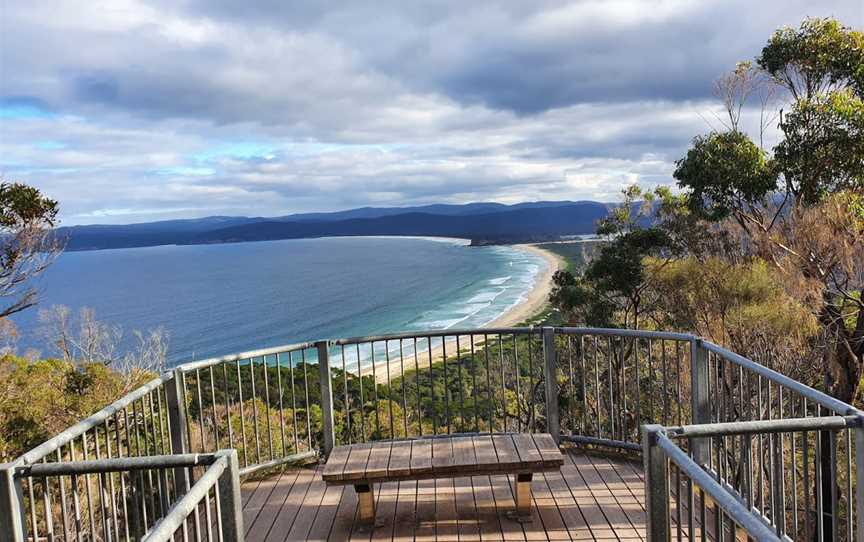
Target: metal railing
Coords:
[[755, 494], [134, 498], [594, 387]]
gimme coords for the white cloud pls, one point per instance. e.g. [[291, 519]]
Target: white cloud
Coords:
[[143, 109]]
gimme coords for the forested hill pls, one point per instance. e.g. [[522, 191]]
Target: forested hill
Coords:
[[480, 222]]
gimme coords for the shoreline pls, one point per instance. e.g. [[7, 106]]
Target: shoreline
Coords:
[[537, 297], [534, 302]]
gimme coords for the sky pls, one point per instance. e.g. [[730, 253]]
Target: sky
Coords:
[[136, 110]]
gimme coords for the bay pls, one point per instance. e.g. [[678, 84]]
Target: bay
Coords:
[[220, 299]]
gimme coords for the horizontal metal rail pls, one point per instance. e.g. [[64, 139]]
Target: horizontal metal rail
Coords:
[[287, 460], [631, 333], [118, 464], [593, 441], [739, 513], [824, 423]]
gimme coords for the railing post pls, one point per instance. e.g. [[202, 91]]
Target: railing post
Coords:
[[11, 505], [177, 424], [553, 422], [700, 405], [230, 499], [657, 496], [859, 483], [326, 397]]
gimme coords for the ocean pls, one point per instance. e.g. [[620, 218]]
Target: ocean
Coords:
[[220, 299]]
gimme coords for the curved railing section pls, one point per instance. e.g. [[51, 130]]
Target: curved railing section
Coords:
[[593, 387]]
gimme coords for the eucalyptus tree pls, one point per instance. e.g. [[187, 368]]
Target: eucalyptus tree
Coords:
[[27, 243]]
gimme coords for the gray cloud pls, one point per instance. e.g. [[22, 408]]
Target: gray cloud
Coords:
[[143, 109]]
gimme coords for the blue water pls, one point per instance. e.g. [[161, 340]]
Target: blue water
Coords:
[[220, 299]]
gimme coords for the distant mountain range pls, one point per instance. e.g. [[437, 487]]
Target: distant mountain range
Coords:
[[483, 223]]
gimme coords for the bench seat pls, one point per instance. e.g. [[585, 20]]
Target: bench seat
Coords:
[[363, 465]]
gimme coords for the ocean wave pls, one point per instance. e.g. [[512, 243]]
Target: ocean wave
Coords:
[[500, 280], [486, 297]]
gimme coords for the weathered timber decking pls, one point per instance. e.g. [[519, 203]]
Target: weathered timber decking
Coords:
[[591, 498]]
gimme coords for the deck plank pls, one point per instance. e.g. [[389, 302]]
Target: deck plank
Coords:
[[425, 511], [345, 514], [464, 459], [446, 520], [336, 462], [505, 449], [442, 454], [549, 513], [574, 521], [421, 457], [379, 458], [400, 459], [629, 507], [355, 467], [528, 453], [589, 507], [405, 512], [255, 502], [465, 508]]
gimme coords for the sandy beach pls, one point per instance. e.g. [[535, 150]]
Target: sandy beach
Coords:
[[534, 302]]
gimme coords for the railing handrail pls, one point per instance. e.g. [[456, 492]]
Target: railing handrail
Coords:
[[434, 334], [116, 464], [240, 356], [753, 427], [634, 333]]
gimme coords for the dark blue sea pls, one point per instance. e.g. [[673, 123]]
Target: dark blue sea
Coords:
[[221, 299]]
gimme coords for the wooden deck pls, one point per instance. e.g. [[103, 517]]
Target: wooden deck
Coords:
[[591, 498]]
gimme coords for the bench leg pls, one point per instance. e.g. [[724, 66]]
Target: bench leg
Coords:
[[366, 498], [523, 494]]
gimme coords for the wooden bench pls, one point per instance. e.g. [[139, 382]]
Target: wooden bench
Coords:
[[363, 465]]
